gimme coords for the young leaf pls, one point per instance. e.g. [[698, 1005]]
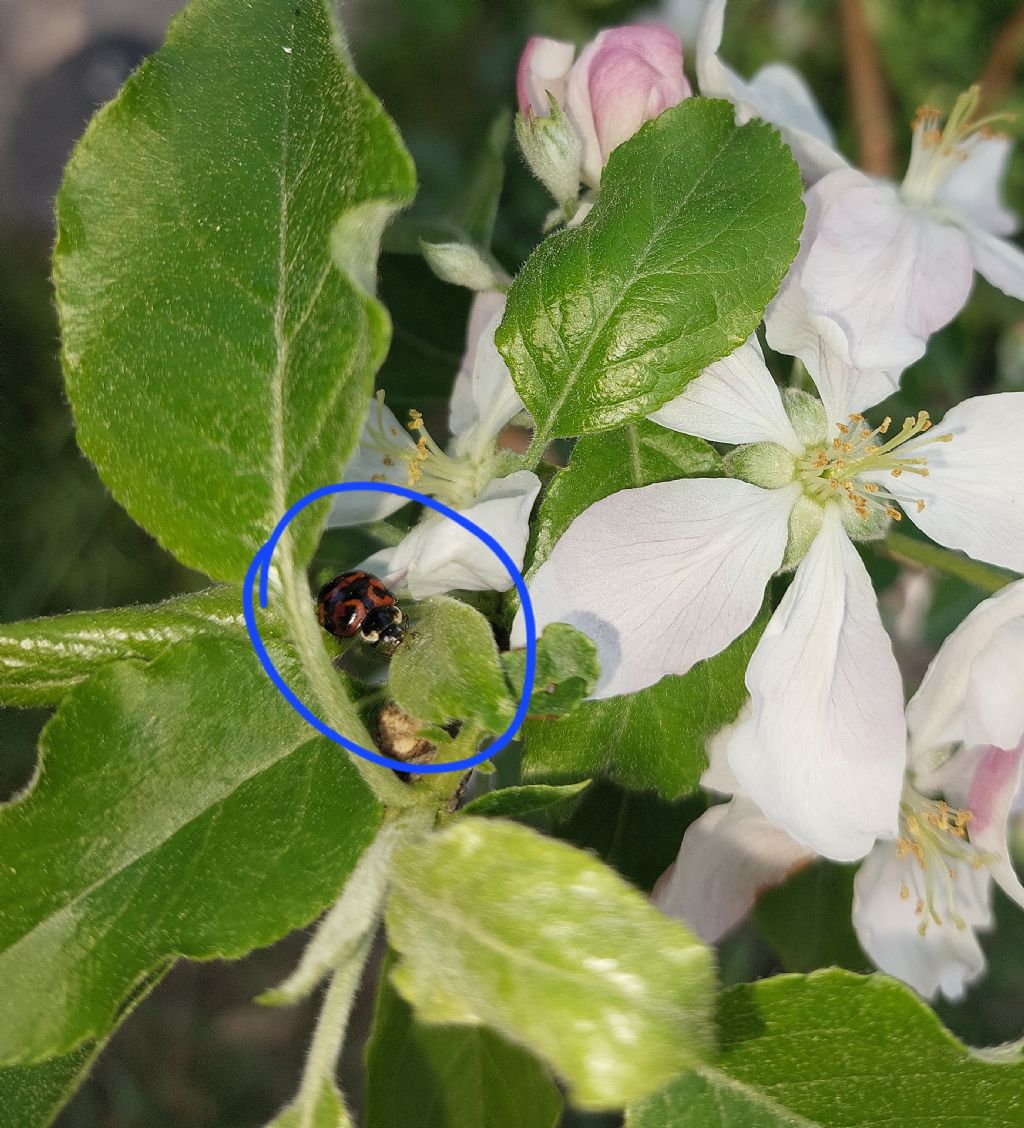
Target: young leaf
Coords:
[[653, 739], [452, 1076], [836, 1048], [41, 659], [182, 809], [217, 357], [690, 236], [567, 670], [559, 955], [447, 667], [511, 802]]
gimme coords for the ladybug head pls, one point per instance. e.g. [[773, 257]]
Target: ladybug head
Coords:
[[383, 625]]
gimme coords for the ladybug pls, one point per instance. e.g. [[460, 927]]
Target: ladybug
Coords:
[[358, 602]]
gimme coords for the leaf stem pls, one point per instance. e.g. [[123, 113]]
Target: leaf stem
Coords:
[[356, 912], [901, 547], [538, 444], [327, 689], [329, 1036]]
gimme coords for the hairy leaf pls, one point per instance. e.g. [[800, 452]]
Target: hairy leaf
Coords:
[[41, 659], [218, 355], [182, 809], [496, 924]]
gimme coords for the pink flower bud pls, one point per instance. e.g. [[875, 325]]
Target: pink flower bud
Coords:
[[625, 77], [543, 74]]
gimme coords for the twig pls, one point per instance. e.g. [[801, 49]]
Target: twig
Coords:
[[871, 106]]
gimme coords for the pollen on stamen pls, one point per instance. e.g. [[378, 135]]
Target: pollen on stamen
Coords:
[[920, 505], [904, 892], [892, 512]]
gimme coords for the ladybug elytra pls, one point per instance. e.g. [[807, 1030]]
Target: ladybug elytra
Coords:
[[357, 602]]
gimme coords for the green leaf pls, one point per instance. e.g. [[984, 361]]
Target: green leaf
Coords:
[[447, 667], [452, 1076], [328, 1112], [32, 1095], [835, 1048], [41, 659], [693, 229], [807, 920], [567, 670], [217, 357], [182, 809], [511, 802], [637, 832], [559, 954], [653, 739]]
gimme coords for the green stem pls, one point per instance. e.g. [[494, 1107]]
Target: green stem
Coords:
[[901, 547], [329, 1036], [535, 451], [357, 911], [327, 689]]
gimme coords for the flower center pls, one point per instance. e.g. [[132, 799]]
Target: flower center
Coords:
[[455, 480], [835, 472], [936, 152], [934, 836]]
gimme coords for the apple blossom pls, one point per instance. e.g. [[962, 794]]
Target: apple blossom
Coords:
[[921, 896], [437, 555], [883, 267], [776, 93], [807, 476], [573, 114]]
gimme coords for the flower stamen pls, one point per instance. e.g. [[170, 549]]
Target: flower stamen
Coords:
[[858, 451]]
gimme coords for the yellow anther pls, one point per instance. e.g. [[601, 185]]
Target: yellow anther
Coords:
[[904, 892], [894, 513]]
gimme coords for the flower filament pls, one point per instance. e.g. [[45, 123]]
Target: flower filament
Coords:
[[455, 480], [834, 472], [934, 837], [936, 152]]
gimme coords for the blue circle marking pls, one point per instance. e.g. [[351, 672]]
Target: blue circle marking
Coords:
[[260, 567]]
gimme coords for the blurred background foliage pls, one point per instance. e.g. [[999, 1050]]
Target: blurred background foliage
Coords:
[[197, 1054]]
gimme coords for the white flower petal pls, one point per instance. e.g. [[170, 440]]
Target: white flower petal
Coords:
[[439, 556], [995, 694], [776, 93], [734, 400], [728, 857], [819, 342], [886, 275], [973, 497], [823, 752], [972, 190], [946, 958], [370, 464], [483, 397], [663, 576], [936, 714], [997, 261]]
